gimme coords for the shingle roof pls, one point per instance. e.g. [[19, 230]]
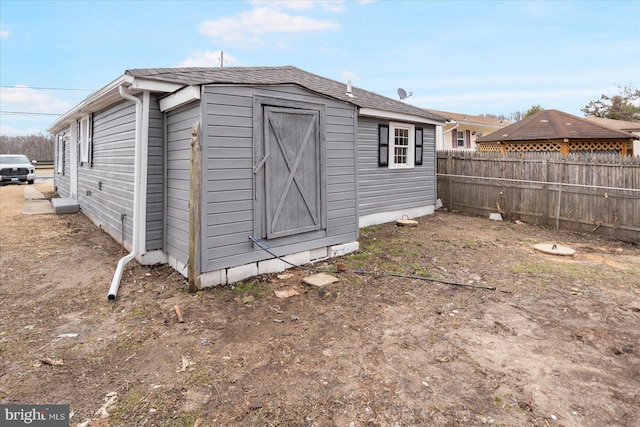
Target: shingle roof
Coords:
[[616, 124], [461, 117], [277, 76], [553, 124]]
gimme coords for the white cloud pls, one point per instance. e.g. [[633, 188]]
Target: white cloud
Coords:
[[14, 131], [4, 33], [247, 27], [23, 98], [330, 5], [208, 58]]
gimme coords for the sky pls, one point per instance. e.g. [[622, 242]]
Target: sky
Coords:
[[472, 57]]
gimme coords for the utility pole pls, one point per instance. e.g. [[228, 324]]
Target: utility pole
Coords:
[[221, 59]]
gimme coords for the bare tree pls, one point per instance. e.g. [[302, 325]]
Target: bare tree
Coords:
[[35, 147]]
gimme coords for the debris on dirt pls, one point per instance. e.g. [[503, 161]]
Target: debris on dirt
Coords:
[[320, 279], [276, 309], [284, 276], [176, 307], [52, 362], [72, 335], [59, 337], [406, 222], [110, 399], [186, 364], [286, 293], [495, 216]]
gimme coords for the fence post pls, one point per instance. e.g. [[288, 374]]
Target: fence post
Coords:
[[545, 193], [559, 204], [450, 180]]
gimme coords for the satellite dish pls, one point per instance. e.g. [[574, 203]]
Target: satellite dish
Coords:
[[403, 94]]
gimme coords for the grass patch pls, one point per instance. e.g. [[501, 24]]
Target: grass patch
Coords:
[[254, 287], [531, 268]]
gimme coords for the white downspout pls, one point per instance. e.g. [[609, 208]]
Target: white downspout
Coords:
[[117, 276], [447, 131]]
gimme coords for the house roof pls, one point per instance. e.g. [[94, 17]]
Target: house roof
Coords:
[[172, 80], [471, 119], [277, 76], [627, 125], [552, 125]]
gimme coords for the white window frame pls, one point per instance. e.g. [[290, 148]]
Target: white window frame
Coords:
[[461, 143], [84, 139], [410, 147]]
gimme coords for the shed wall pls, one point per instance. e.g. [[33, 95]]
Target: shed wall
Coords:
[[381, 189], [228, 178], [155, 178], [179, 123]]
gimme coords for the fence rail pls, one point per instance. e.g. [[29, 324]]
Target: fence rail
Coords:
[[580, 192]]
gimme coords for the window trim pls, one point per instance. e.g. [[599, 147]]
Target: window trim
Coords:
[[464, 139], [411, 146], [85, 139], [61, 143]]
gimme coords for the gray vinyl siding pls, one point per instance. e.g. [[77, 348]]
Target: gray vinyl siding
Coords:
[[381, 189], [62, 181], [228, 179], [105, 190], [155, 178], [179, 123]]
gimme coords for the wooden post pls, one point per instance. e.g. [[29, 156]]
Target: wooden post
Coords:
[[194, 209], [544, 197], [450, 171]]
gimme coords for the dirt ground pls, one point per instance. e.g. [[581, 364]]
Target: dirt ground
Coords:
[[556, 343]]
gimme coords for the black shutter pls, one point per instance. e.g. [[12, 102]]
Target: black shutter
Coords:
[[418, 156], [383, 145]]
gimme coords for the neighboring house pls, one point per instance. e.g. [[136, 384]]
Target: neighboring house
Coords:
[[462, 130], [623, 125], [191, 164], [557, 131]]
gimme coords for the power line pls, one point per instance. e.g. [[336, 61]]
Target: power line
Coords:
[[27, 113], [47, 88]]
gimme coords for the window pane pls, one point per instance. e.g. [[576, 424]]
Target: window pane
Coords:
[[401, 145], [461, 142]]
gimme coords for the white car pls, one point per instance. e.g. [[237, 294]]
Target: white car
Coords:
[[16, 168]]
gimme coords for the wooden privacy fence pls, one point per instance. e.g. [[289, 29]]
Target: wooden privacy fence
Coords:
[[598, 193]]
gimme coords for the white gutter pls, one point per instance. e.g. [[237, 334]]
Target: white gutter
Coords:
[[450, 130], [117, 276]]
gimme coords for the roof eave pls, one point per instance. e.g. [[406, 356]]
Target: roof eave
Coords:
[[109, 94], [390, 115]]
